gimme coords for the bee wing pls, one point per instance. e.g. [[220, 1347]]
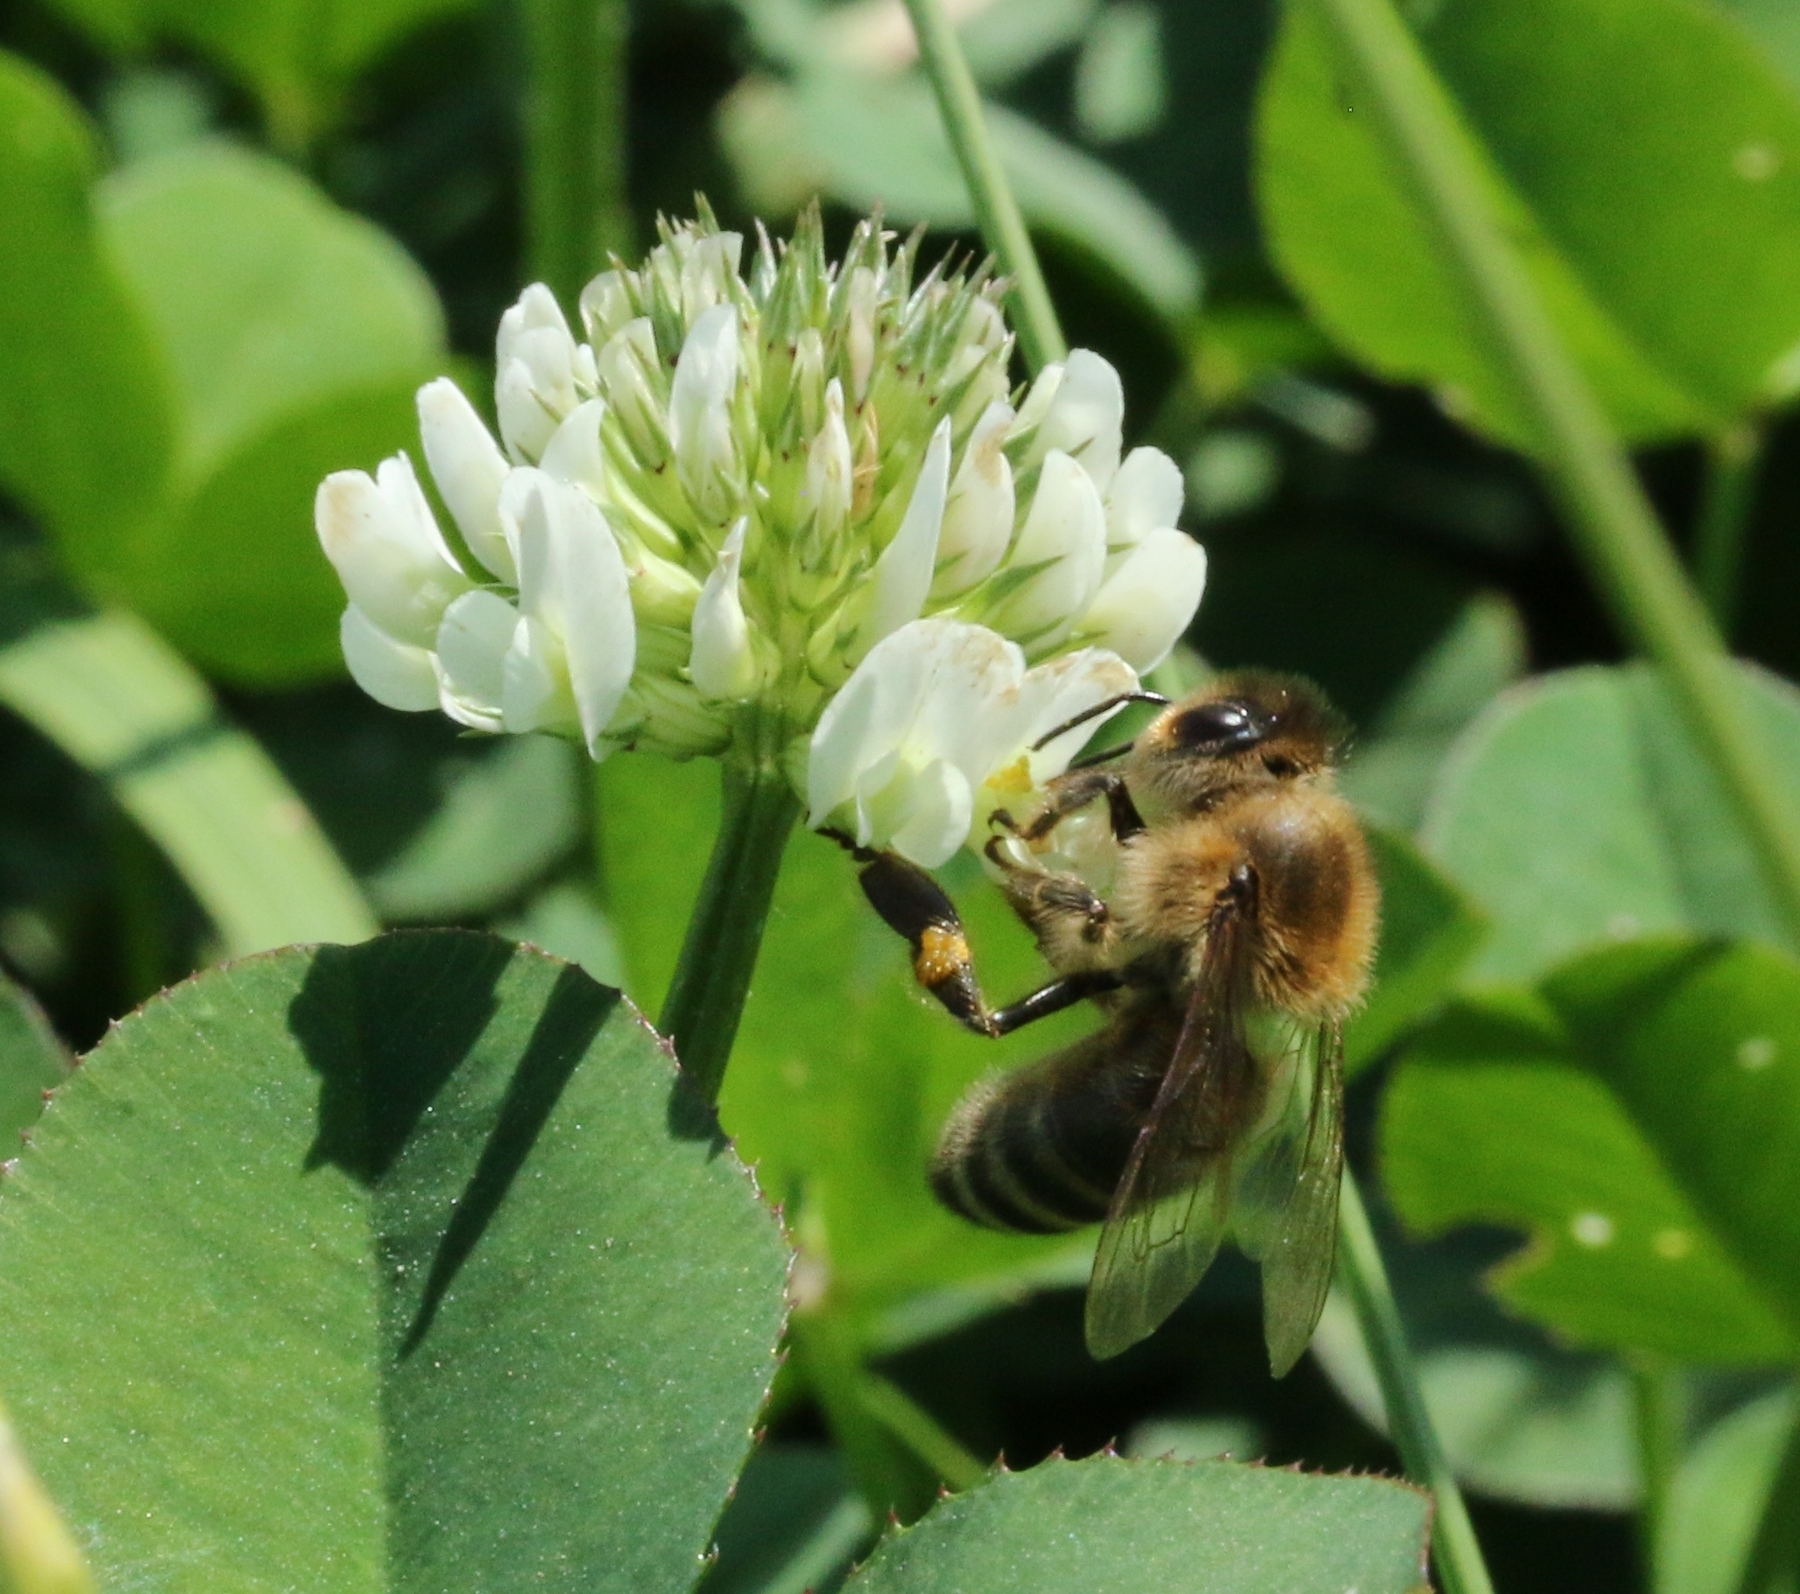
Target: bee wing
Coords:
[[1169, 1211], [1286, 1200]]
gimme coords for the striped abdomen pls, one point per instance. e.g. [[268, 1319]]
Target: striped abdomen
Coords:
[[1041, 1149]]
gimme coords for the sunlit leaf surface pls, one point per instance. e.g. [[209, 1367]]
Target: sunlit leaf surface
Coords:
[[1111, 1526], [406, 1224]]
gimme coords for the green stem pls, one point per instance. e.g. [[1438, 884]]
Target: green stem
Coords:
[[577, 210], [996, 211], [1773, 1565], [1732, 459], [1460, 1567], [1656, 1395], [920, 1432], [1610, 519], [712, 977]]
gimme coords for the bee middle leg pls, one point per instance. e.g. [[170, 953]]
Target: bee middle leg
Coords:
[[916, 906]]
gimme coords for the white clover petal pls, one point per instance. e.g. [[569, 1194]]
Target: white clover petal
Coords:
[[395, 674], [723, 662], [1146, 494], [468, 467], [535, 310], [605, 306], [534, 683], [622, 368], [708, 272], [1150, 600], [526, 423], [860, 296], [1059, 558], [472, 644], [828, 467], [1038, 401], [978, 518], [574, 454], [1086, 417], [935, 692], [572, 578], [923, 812], [901, 580], [699, 405], [1052, 694], [380, 536]]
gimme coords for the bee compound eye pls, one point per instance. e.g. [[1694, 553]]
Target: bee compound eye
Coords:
[[1217, 727]]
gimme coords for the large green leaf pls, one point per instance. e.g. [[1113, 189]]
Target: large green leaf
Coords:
[[32, 1061], [267, 296], [296, 333], [1700, 1043], [114, 697], [1429, 931], [1112, 1526], [84, 401], [1577, 811], [1641, 1121], [404, 1227], [1643, 155], [1393, 763]]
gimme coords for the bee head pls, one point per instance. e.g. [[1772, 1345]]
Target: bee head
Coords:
[[1241, 731]]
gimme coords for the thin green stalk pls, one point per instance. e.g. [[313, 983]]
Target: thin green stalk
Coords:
[[996, 211], [712, 977], [1773, 1566], [1458, 1555], [920, 1432], [1732, 461], [577, 209], [1613, 526], [1656, 1395], [1454, 1549]]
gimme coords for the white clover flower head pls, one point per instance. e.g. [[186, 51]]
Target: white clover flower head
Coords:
[[737, 493]]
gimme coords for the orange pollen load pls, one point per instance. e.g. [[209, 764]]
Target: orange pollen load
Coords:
[[943, 954]]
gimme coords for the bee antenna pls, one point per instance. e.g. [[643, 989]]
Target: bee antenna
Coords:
[[1089, 760], [1106, 707]]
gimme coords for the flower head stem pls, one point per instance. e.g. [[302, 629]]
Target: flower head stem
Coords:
[[712, 976], [1453, 1546], [1610, 520], [996, 210]]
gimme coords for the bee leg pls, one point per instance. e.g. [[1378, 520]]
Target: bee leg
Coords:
[[920, 909], [1074, 928], [1071, 792], [1064, 991]]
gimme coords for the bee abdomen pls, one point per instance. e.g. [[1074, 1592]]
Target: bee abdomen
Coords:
[[1041, 1150]]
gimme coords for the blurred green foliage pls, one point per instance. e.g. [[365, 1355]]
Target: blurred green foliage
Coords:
[[234, 239]]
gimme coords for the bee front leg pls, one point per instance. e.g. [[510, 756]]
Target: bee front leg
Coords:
[[1070, 793], [916, 906]]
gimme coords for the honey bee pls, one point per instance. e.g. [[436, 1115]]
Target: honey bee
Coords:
[[1232, 941]]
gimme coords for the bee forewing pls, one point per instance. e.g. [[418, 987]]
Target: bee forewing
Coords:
[[1295, 1237], [1168, 1214], [1150, 1258]]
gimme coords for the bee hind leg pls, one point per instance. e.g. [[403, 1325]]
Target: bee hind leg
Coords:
[[919, 909], [916, 906]]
